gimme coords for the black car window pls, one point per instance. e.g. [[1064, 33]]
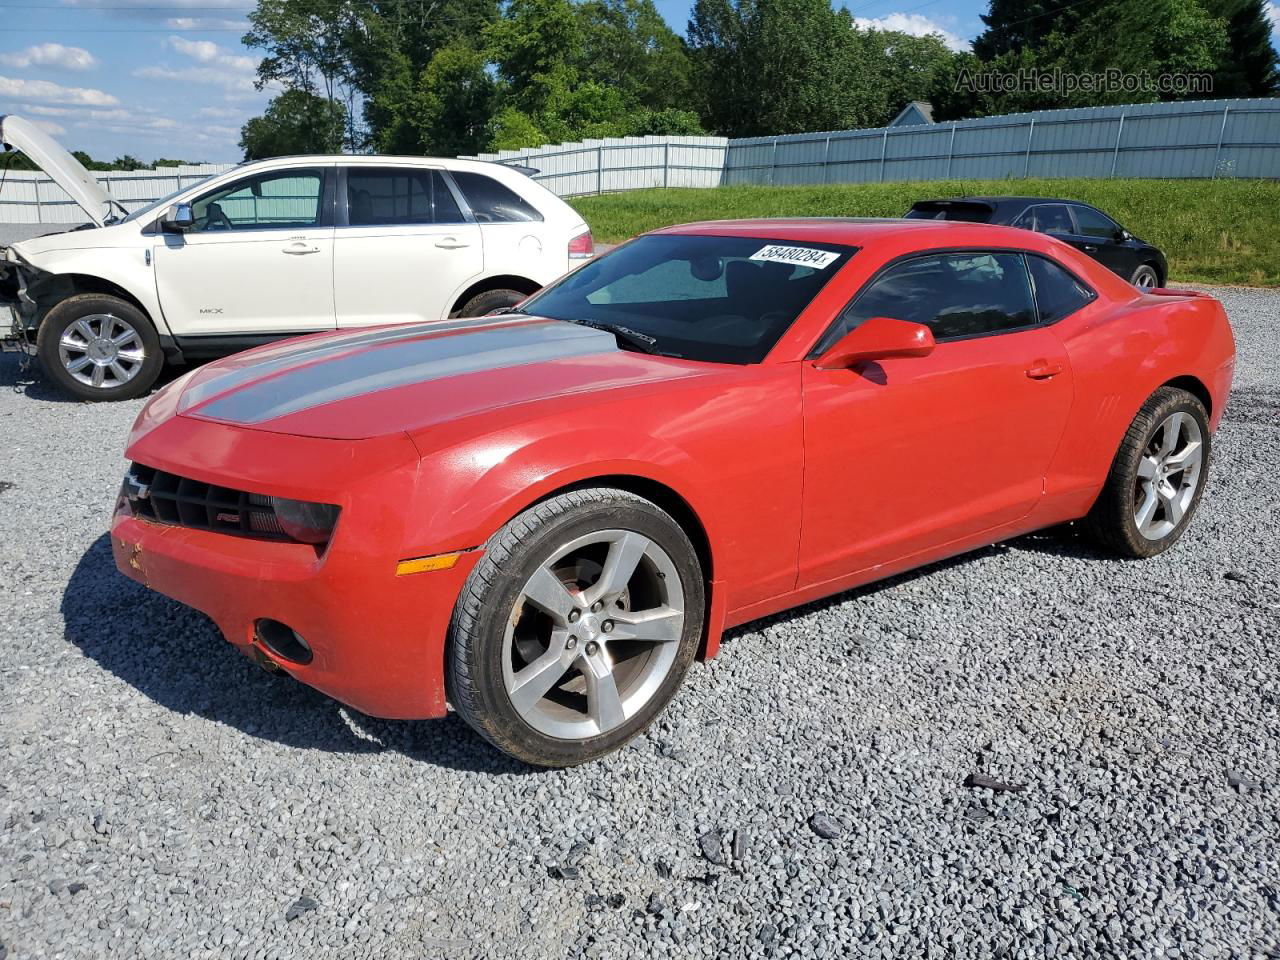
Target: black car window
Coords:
[[491, 201], [721, 299], [1091, 223], [955, 294], [1052, 218], [398, 196], [280, 200], [1058, 294]]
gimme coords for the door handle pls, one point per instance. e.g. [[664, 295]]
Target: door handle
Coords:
[[298, 248], [451, 243], [1091, 248], [1043, 370]]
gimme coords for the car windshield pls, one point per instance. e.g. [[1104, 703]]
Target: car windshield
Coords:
[[156, 204], [721, 299]]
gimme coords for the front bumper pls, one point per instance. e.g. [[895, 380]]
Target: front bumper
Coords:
[[377, 639]]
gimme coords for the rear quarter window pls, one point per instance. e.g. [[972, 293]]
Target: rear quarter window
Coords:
[[493, 202]]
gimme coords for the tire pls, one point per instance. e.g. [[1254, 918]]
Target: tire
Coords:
[[1145, 471], [1145, 277], [498, 635], [98, 347], [482, 303]]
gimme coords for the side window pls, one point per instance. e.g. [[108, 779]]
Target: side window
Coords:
[[280, 200], [1027, 220], [955, 294], [1093, 224], [398, 196], [1058, 294], [1053, 218], [491, 201]]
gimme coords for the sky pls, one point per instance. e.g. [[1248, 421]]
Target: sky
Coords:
[[170, 78]]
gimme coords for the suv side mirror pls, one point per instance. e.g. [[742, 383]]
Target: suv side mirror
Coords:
[[879, 338], [1122, 235], [178, 218]]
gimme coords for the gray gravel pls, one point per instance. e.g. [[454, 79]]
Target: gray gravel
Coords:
[[804, 796]]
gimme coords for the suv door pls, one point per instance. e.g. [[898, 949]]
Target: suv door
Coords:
[[258, 260], [909, 454], [404, 250]]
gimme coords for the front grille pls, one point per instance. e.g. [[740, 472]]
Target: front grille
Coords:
[[168, 498]]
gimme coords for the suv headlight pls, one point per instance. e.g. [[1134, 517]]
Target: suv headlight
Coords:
[[304, 521]]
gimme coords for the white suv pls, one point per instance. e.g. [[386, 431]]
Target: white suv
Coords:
[[273, 249]]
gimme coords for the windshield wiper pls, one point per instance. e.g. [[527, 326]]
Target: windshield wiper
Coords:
[[632, 338]]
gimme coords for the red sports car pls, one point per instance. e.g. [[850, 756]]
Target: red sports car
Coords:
[[543, 517]]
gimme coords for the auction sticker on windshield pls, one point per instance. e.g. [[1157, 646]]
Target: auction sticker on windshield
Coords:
[[796, 256]]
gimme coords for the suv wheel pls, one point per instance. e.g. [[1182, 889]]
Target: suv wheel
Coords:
[[99, 347], [576, 627], [490, 300], [1145, 277]]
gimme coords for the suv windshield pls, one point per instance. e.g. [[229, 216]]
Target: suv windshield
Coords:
[[722, 299], [156, 204]]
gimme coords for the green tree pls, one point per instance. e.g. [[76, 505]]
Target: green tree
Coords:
[[1251, 67], [295, 122], [456, 99], [1015, 24], [627, 44]]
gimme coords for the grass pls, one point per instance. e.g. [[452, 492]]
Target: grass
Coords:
[[1212, 231]]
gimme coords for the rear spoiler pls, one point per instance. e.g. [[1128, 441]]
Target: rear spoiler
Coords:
[[1169, 292]]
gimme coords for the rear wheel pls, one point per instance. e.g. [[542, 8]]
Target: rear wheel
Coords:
[[1157, 477], [99, 347], [489, 301], [576, 627]]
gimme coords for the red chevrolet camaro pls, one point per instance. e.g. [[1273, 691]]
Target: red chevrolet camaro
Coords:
[[543, 517]]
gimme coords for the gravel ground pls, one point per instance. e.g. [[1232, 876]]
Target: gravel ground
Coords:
[[805, 795]]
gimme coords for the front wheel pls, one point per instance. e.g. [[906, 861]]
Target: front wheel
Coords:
[[1145, 277], [576, 627], [1157, 477], [98, 347], [490, 300]]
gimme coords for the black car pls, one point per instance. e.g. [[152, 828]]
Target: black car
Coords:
[[1084, 227]]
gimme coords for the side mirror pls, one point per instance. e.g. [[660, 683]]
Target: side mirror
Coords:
[[178, 218], [1123, 236], [879, 338]]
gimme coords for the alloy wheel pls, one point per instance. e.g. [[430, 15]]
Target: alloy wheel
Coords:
[[1145, 278], [1168, 476], [101, 351], [593, 634]]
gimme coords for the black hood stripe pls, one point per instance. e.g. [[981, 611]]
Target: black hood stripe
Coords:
[[325, 377]]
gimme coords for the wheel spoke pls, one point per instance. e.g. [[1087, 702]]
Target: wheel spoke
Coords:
[[1186, 457], [619, 567], [99, 374], [1147, 509], [82, 327], [1147, 467], [119, 372], [659, 625], [604, 706], [1172, 432], [78, 364], [546, 592], [533, 682], [128, 335], [1171, 497]]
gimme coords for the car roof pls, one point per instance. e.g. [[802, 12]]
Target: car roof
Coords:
[[859, 232]]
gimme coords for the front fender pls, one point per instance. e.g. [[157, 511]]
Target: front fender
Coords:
[[124, 267]]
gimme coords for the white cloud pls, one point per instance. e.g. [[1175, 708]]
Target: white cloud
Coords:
[[220, 113], [912, 24], [206, 23], [19, 89], [237, 85], [50, 55], [206, 51], [51, 128]]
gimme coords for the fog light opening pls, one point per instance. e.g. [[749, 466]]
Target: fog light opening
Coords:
[[282, 640]]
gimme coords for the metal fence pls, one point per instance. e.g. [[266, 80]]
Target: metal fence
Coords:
[[28, 196], [1196, 139]]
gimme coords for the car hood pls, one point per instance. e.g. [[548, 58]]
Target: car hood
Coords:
[[356, 385], [66, 170]]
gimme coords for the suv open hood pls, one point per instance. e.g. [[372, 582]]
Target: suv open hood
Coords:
[[47, 154]]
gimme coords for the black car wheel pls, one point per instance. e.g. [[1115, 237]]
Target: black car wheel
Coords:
[[1145, 277], [489, 301]]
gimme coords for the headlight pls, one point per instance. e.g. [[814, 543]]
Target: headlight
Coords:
[[307, 522]]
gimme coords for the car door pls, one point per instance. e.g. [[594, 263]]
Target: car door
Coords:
[[258, 260], [909, 454], [1105, 240], [404, 250]]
